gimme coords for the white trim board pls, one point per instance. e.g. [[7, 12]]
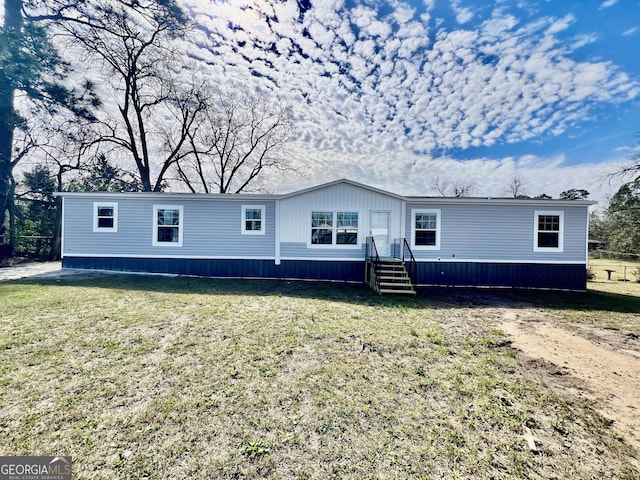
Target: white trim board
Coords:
[[319, 259]]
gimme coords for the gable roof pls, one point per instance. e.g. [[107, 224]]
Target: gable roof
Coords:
[[342, 181]]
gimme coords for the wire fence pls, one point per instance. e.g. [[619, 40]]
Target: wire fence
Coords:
[[614, 272], [606, 265], [606, 254]]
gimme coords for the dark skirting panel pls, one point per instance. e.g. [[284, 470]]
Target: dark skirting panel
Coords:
[[454, 274], [516, 275], [227, 268]]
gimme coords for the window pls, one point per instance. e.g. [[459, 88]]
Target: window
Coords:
[[322, 228], [105, 217], [347, 228], [548, 232], [252, 220], [167, 225], [334, 228], [425, 229]]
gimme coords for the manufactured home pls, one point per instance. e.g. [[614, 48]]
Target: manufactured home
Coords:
[[339, 231]]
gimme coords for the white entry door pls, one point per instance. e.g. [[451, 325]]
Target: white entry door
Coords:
[[380, 231]]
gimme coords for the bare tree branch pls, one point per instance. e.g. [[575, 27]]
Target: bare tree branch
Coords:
[[517, 187], [234, 141]]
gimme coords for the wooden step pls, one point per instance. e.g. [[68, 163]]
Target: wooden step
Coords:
[[396, 284], [393, 278], [396, 292]]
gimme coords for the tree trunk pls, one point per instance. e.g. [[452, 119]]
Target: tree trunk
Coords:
[[12, 25], [55, 251], [12, 217]]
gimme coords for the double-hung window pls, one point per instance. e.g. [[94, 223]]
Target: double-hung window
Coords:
[[346, 228], [548, 231], [167, 225], [425, 229], [253, 218], [334, 228], [105, 217]]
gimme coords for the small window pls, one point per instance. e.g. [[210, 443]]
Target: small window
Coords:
[[548, 235], [167, 230], [253, 218], [334, 228], [425, 228], [105, 217]]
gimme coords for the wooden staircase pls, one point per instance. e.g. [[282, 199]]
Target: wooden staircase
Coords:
[[390, 277]]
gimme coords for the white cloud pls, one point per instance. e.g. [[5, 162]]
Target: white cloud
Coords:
[[463, 14], [367, 98], [630, 31], [560, 25], [583, 40], [410, 174], [608, 3]]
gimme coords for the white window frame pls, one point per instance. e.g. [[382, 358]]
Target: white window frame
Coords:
[[180, 225], [96, 208], [536, 216], [334, 229], [438, 215], [243, 220]]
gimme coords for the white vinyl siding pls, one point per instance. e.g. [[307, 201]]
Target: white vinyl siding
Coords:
[[295, 220], [210, 229], [500, 233]]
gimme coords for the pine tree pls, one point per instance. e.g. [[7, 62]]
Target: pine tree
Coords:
[[30, 65]]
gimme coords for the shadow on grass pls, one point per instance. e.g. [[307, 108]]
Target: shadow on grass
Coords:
[[433, 297]]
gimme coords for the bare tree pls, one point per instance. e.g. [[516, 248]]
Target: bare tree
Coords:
[[131, 44], [462, 188], [517, 187], [441, 185], [237, 139], [631, 171], [458, 188]]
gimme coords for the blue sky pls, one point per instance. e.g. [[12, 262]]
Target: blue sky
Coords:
[[398, 93]]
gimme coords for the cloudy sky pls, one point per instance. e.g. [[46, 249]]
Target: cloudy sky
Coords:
[[397, 93]]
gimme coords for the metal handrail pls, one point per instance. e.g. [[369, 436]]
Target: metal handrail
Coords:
[[406, 255], [374, 259], [371, 244]]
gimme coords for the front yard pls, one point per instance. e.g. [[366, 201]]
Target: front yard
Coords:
[[168, 378]]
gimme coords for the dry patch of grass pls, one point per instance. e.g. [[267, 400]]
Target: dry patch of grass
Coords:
[[147, 377]]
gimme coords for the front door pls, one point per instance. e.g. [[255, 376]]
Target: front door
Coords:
[[380, 231]]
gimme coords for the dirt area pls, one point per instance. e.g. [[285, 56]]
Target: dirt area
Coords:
[[597, 364], [20, 270]]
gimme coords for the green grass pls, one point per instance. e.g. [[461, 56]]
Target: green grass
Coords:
[[166, 378], [621, 269]]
